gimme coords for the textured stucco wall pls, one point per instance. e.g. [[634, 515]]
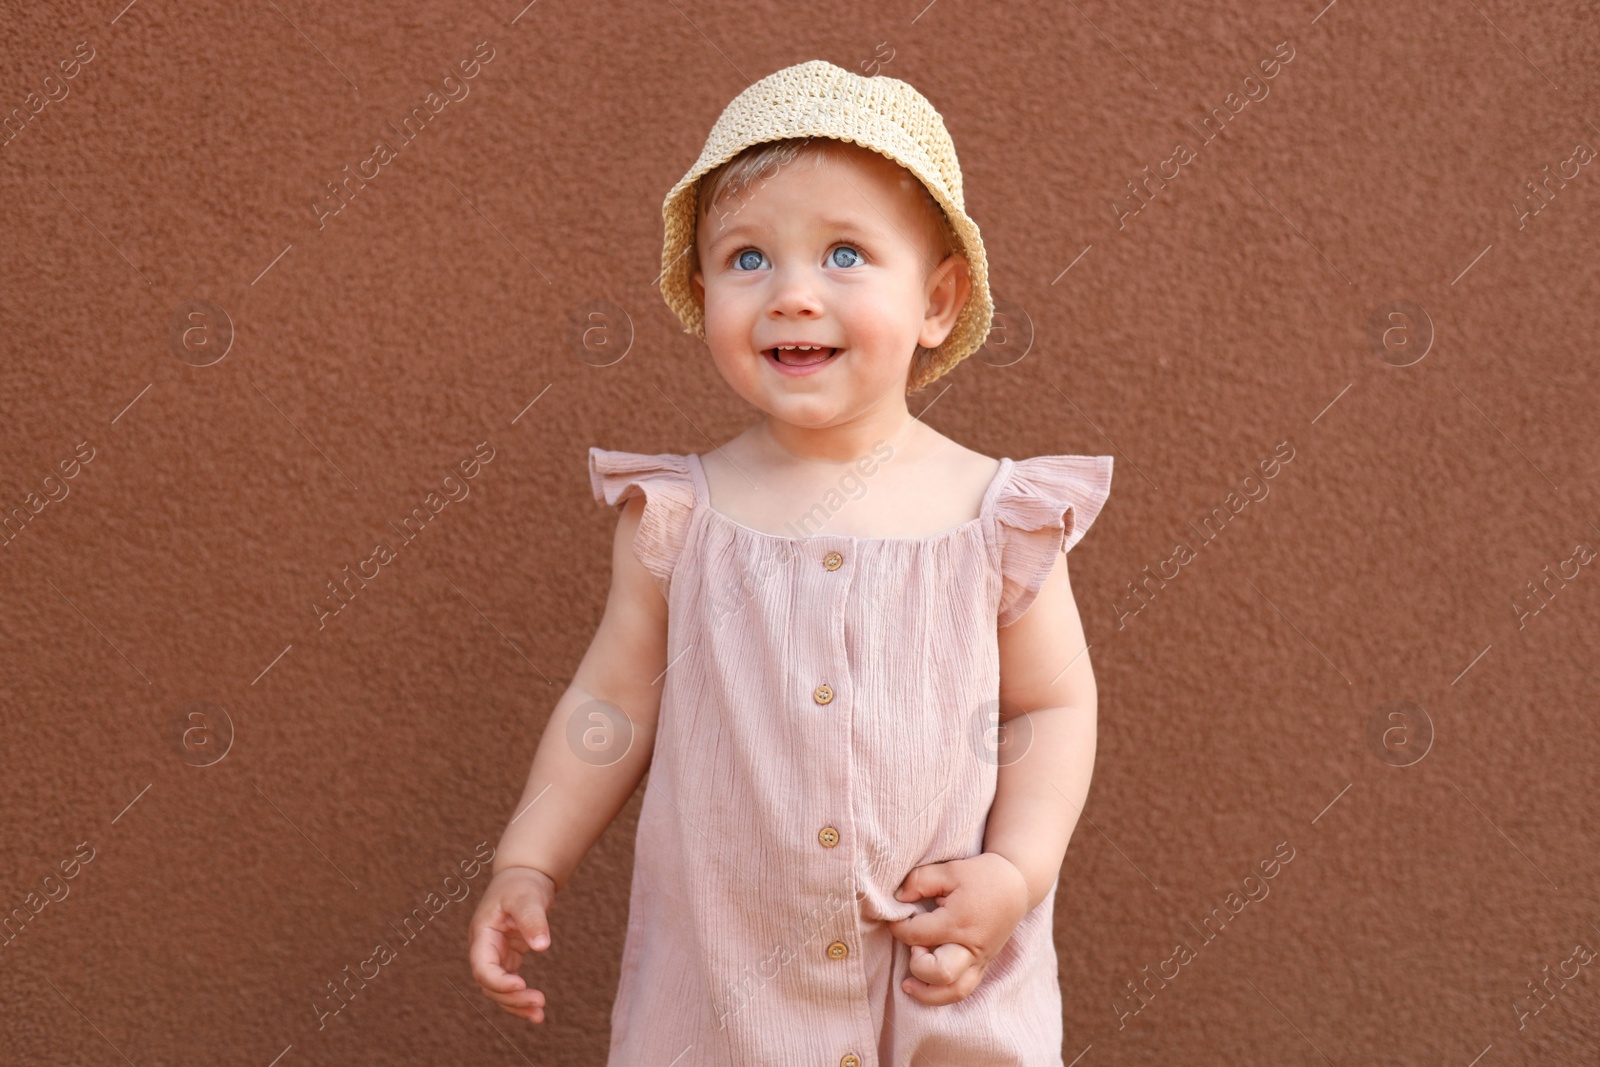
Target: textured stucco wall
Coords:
[[162, 611]]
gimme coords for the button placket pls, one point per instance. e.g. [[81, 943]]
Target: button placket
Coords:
[[824, 695], [831, 591]]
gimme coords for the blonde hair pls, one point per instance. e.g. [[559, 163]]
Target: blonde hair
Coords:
[[754, 163]]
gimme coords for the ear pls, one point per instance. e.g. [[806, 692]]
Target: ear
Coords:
[[949, 285], [698, 280]]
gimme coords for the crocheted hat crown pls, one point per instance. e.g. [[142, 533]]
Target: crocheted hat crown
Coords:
[[819, 99]]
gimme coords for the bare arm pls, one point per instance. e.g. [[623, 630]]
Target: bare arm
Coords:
[[575, 788], [1048, 705]]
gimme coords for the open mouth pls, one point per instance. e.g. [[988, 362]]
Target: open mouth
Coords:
[[800, 357]]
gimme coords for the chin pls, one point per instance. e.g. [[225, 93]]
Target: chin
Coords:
[[810, 411]]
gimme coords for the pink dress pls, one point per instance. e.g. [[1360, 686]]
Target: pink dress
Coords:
[[826, 725]]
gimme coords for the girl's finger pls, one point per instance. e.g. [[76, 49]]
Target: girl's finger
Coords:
[[953, 959], [522, 1002], [943, 965], [946, 993], [493, 965], [930, 880], [530, 922], [923, 965], [932, 994], [926, 928]]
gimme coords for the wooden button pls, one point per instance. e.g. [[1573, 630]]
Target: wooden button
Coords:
[[850, 1059], [828, 836], [838, 950], [823, 694], [833, 561]]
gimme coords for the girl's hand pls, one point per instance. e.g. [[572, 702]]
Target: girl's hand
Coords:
[[511, 919], [981, 899]]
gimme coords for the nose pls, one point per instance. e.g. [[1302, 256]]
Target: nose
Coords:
[[795, 293]]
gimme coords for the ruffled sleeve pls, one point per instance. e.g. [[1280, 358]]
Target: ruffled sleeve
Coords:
[[667, 486], [1046, 506]]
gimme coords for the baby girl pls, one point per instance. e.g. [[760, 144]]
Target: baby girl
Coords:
[[843, 645]]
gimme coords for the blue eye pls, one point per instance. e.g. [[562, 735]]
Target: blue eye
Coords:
[[841, 256]]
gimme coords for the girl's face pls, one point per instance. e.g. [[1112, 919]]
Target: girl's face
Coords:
[[840, 253]]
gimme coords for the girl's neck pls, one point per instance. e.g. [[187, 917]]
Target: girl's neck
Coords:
[[836, 445]]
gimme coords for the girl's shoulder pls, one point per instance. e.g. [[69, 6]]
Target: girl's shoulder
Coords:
[[1038, 488], [1060, 493], [1042, 508], [667, 482], [615, 476]]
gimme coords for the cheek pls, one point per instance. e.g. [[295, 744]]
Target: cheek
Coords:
[[880, 322], [887, 308], [728, 339], [726, 308], [727, 326]]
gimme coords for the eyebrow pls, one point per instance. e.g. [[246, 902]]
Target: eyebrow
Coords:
[[845, 225]]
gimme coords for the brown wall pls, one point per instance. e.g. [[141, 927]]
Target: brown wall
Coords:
[[1243, 706]]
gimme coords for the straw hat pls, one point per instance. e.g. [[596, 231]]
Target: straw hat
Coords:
[[818, 99]]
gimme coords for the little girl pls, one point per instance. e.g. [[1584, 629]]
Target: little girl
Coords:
[[844, 646]]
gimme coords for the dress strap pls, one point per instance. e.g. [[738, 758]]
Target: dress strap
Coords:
[[997, 487], [702, 490], [667, 483], [1043, 509]]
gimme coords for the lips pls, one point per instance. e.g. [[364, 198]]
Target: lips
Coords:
[[792, 358]]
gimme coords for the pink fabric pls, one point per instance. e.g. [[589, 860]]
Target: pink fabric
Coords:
[[735, 897]]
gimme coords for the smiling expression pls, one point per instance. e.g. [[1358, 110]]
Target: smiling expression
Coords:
[[840, 249]]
